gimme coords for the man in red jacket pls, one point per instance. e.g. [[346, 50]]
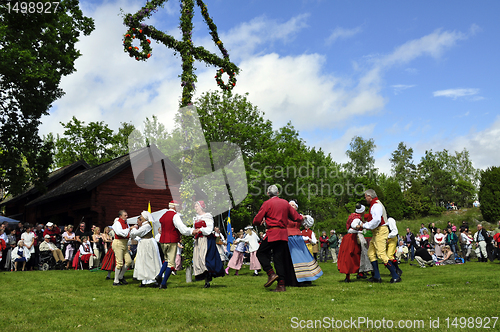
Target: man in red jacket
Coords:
[[171, 229], [275, 212]]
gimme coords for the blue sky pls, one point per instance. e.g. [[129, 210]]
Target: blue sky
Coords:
[[425, 73]]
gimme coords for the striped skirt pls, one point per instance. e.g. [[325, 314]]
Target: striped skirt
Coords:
[[305, 266]]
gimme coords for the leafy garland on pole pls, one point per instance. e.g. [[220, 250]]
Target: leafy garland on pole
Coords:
[[188, 52]]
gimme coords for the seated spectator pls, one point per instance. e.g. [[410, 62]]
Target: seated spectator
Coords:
[[448, 256], [20, 254], [423, 257], [47, 245], [86, 253]]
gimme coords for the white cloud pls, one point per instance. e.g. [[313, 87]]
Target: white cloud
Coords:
[[398, 88], [342, 33], [456, 93]]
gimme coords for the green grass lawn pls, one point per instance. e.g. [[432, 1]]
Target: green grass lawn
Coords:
[[85, 301]]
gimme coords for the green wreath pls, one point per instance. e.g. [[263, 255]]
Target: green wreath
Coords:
[[230, 84], [134, 51]]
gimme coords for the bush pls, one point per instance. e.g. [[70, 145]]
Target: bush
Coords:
[[489, 193]]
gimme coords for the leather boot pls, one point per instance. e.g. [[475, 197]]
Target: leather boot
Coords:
[[281, 286], [271, 277]]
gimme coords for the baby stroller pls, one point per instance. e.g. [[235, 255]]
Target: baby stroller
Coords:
[[47, 261]]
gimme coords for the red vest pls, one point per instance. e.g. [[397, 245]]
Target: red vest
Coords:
[[124, 226], [169, 234], [368, 216], [307, 232]]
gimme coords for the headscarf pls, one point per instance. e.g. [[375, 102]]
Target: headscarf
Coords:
[[154, 224]]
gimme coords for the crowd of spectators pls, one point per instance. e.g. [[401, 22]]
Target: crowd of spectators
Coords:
[[24, 247]]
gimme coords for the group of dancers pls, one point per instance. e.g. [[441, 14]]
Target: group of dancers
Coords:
[[294, 263], [283, 243], [356, 255]]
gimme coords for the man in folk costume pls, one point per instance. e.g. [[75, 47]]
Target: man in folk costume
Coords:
[[171, 229], [392, 243], [377, 222], [276, 212], [119, 246], [147, 260]]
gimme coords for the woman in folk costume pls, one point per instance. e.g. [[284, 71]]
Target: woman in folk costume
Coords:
[[252, 239], [206, 259], [148, 263], [304, 267], [350, 251], [109, 262]]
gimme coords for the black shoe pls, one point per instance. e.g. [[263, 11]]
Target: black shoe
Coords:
[[393, 281], [108, 278], [154, 285], [399, 272], [158, 279], [163, 287], [116, 284], [207, 285], [142, 285], [347, 280], [123, 281], [377, 280]]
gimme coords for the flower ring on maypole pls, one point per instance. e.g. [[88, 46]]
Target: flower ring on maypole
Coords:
[[230, 84], [133, 51]]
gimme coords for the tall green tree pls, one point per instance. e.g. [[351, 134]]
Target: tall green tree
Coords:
[[489, 194], [403, 168], [95, 143], [361, 155], [36, 50]]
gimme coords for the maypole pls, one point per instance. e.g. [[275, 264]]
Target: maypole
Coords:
[[187, 118]]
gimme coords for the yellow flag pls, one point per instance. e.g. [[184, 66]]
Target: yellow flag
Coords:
[[149, 207]]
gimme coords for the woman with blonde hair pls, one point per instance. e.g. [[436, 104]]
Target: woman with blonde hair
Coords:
[[69, 243], [448, 256], [97, 246]]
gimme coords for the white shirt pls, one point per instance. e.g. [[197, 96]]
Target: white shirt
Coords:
[[376, 211], [141, 231], [209, 221], [393, 229], [117, 228], [253, 242], [312, 239], [28, 240], [181, 227]]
